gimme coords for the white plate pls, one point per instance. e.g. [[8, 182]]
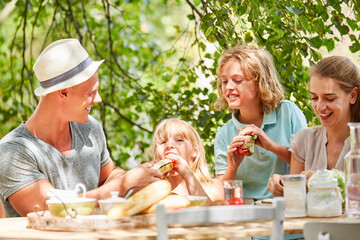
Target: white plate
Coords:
[[264, 201]]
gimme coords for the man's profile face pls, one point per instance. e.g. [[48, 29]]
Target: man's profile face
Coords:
[[82, 97]]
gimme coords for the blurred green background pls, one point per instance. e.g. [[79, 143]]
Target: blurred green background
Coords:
[[161, 57]]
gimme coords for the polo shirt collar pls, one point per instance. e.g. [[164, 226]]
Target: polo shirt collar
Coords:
[[268, 119]]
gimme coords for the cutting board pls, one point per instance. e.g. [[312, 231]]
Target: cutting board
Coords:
[[87, 223]]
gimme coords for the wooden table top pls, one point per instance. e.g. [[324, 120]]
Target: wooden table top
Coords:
[[16, 228]]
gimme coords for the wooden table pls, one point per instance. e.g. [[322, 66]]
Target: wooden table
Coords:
[[16, 228]]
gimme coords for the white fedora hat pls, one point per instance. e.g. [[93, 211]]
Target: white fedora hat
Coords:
[[63, 64]]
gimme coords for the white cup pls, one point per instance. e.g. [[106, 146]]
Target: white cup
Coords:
[[67, 195]]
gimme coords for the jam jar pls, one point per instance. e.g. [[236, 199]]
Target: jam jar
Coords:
[[324, 197]]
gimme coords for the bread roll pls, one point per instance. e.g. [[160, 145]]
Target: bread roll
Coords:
[[170, 202], [141, 200]]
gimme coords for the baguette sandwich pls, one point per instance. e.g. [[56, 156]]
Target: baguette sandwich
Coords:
[[141, 200], [164, 165], [248, 146]]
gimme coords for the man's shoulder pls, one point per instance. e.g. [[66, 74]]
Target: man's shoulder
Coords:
[[17, 134]]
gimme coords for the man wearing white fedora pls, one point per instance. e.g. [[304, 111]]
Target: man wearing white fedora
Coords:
[[61, 145]]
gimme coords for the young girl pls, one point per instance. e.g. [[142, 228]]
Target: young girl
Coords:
[[248, 86], [334, 89], [176, 140]]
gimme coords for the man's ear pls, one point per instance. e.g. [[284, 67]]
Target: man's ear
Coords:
[[64, 93], [354, 94]]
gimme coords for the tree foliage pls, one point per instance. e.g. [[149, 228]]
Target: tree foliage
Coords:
[[159, 59]]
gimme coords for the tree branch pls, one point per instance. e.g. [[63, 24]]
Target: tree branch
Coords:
[[194, 8], [125, 118]]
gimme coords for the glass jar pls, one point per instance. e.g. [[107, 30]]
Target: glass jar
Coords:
[[352, 173], [295, 195], [324, 197]]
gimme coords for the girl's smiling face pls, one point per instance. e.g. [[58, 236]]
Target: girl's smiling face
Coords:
[[330, 102]]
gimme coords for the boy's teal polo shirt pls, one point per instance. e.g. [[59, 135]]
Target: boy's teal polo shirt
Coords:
[[255, 170]]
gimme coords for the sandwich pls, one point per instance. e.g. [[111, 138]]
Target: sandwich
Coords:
[[248, 147], [165, 165]]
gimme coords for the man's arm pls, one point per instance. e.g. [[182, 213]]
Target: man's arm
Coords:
[[116, 179], [106, 170], [24, 200], [112, 179]]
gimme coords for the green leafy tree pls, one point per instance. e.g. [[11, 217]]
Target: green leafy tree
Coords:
[[158, 63]]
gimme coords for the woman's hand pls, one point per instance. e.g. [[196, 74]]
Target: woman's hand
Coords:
[[307, 174], [276, 185]]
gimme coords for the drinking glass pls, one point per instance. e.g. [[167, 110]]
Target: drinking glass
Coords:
[[352, 173], [232, 188], [295, 195]]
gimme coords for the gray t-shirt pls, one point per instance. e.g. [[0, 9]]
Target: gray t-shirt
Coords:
[[309, 146], [25, 159]]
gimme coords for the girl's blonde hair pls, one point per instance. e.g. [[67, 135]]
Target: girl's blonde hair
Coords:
[[257, 64], [345, 73], [175, 126]]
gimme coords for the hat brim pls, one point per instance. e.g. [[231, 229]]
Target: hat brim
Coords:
[[75, 80]]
